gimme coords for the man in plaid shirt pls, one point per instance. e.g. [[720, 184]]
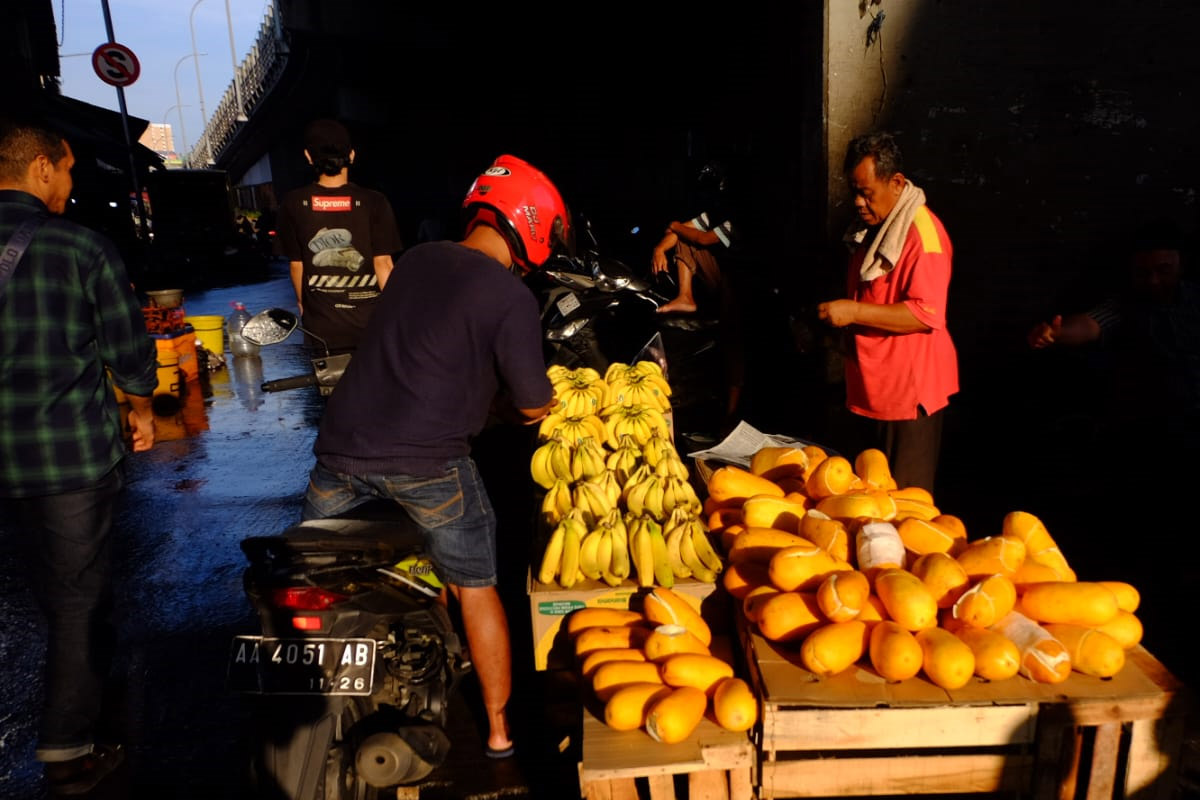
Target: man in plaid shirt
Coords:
[[67, 312]]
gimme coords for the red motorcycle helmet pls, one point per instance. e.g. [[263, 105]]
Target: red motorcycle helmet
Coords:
[[519, 201]]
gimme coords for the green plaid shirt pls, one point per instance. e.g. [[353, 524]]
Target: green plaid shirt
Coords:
[[67, 313]]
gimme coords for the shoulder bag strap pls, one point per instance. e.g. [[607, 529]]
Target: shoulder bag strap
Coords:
[[12, 253]]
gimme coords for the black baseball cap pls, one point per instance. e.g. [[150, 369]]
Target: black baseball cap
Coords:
[[328, 138]]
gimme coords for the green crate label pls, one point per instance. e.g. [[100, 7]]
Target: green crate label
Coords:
[[559, 608]]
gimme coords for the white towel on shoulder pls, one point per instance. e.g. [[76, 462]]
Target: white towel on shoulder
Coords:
[[884, 250]]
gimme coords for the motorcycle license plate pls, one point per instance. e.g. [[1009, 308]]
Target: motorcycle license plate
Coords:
[[267, 665]]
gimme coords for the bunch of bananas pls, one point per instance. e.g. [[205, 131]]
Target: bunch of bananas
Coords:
[[579, 391], [648, 552], [572, 428], [560, 559], [638, 421], [618, 500], [577, 551], [595, 498], [657, 496], [588, 459], [552, 461], [625, 459], [689, 550], [640, 384]]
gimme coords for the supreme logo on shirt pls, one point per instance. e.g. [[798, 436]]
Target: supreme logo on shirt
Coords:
[[328, 203]]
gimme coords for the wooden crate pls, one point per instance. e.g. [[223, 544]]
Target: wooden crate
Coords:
[[715, 763], [855, 734]]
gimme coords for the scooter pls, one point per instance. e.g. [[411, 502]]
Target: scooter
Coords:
[[356, 663], [358, 658], [274, 325]]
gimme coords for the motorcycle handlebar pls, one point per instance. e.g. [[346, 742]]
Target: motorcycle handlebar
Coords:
[[284, 384]]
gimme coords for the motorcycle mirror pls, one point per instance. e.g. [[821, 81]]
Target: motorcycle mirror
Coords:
[[271, 326]]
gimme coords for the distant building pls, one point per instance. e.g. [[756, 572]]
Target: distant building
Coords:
[[158, 137]]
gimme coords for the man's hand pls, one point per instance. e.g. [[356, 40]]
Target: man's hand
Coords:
[[142, 424], [659, 261], [1045, 334], [838, 313], [535, 415]]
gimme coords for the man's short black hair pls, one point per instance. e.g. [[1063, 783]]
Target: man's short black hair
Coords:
[[328, 144], [22, 139], [882, 147]]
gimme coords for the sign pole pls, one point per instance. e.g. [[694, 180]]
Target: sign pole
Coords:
[[133, 172]]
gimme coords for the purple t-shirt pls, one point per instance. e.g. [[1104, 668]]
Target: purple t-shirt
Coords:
[[452, 328]]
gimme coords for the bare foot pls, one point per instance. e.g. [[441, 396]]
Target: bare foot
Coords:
[[678, 306]]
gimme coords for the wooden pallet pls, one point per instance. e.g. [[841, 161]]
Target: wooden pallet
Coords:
[[715, 764], [856, 734]]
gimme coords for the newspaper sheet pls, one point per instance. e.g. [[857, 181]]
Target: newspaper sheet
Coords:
[[743, 442]]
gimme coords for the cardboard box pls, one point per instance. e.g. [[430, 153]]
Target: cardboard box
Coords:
[[549, 603]]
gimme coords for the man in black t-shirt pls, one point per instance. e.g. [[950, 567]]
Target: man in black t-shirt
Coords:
[[457, 334], [339, 239]]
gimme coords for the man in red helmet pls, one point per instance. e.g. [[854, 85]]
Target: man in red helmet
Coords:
[[460, 330]]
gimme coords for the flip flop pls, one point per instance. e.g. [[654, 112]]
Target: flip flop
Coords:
[[505, 752]]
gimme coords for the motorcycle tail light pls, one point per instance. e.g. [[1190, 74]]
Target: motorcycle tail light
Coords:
[[301, 623], [306, 598]]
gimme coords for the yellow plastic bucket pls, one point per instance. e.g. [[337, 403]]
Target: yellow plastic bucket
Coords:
[[210, 330]]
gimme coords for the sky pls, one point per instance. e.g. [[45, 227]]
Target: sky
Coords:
[[160, 36]]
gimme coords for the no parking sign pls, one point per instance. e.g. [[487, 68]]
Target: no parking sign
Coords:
[[116, 64]]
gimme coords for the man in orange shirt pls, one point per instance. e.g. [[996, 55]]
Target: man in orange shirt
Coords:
[[902, 367]]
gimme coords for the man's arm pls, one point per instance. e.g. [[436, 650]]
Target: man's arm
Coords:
[[533, 415], [893, 318], [383, 268], [1072, 330], [297, 270], [693, 235]]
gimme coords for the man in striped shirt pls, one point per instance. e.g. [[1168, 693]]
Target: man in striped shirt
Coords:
[[67, 313]]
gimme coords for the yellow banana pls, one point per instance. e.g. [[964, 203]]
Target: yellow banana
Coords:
[[547, 426], [539, 466], [552, 555], [589, 554], [642, 550], [612, 489], [553, 506], [560, 460], [674, 537], [648, 367], [604, 553], [620, 546], [704, 549], [689, 556], [588, 459], [635, 496], [655, 449], [653, 500], [663, 574], [568, 573]]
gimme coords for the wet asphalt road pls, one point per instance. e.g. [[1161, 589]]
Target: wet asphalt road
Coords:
[[232, 464]]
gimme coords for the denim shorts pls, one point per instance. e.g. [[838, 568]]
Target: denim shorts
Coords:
[[452, 510]]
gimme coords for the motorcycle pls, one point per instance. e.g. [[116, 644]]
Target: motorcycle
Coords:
[[358, 657], [356, 663], [274, 325], [595, 310]]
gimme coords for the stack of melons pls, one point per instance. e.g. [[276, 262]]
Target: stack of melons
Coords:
[[835, 558], [655, 670]]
